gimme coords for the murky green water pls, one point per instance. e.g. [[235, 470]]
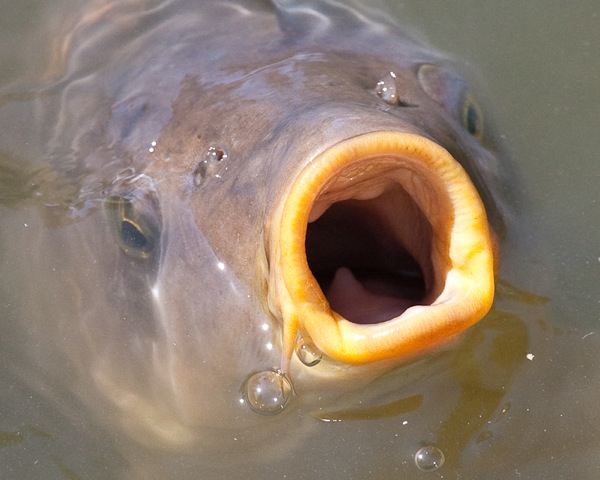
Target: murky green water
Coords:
[[519, 397]]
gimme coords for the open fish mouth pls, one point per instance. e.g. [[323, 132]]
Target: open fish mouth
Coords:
[[379, 250]]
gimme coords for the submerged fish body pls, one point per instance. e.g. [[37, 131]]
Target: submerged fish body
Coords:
[[225, 178]]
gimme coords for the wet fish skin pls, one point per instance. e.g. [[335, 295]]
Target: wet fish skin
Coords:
[[165, 344]]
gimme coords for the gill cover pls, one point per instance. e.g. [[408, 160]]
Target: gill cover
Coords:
[[380, 249]]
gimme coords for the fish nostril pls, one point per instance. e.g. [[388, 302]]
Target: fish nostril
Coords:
[[215, 154], [209, 165]]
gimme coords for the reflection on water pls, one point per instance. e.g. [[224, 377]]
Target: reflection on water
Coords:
[[516, 397]]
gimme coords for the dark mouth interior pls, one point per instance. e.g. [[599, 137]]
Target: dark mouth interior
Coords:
[[358, 251]]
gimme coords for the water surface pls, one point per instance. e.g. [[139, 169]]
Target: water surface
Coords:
[[518, 399]]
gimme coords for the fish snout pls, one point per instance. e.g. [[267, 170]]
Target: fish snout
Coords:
[[379, 250]]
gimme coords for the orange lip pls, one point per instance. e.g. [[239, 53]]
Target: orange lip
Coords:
[[398, 257]]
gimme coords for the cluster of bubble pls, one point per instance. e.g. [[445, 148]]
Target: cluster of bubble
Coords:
[[268, 392]]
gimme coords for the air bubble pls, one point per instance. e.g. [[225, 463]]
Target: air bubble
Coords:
[[267, 392], [386, 89], [307, 352], [429, 459]]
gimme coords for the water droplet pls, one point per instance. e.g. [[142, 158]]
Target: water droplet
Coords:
[[267, 392], [307, 352], [429, 459], [386, 89]]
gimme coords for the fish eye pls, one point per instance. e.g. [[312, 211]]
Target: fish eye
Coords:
[[133, 226], [134, 237], [472, 117], [450, 91]]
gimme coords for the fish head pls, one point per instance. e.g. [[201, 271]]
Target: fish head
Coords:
[[358, 182], [318, 204]]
